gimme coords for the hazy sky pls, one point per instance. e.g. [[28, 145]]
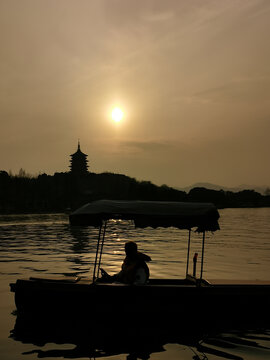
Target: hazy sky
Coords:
[[192, 77]]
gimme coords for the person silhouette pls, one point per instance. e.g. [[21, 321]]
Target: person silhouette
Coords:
[[134, 269]]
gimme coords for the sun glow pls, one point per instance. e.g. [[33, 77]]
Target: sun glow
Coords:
[[117, 114]]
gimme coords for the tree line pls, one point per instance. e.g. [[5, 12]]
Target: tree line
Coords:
[[64, 192]]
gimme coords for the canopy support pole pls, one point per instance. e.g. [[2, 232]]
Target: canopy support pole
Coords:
[[98, 242], [101, 249], [202, 255], [189, 234]]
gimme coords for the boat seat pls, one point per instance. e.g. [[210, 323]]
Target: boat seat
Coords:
[[191, 279], [198, 282]]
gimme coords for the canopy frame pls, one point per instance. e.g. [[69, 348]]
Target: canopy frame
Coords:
[[100, 245], [203, 216]]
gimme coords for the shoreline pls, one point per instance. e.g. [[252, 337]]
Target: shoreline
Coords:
[[44, 212]]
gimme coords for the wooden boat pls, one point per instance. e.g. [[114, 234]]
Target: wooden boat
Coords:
[[184, 301]]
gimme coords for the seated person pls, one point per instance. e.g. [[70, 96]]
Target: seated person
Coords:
[[134, 268]]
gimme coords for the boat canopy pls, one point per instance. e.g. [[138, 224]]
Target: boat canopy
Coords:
[[182, 215]]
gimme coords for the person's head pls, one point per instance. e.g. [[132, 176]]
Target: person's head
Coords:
[[131, 248]]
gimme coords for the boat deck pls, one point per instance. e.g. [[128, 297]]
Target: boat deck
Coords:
[[238, 282], [169, 282]]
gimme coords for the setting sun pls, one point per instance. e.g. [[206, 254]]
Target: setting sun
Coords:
[[117, 114]]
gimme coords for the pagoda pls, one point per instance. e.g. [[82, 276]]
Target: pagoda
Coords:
[[78, 162]]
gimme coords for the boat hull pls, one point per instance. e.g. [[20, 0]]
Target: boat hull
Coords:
[[160, 301]]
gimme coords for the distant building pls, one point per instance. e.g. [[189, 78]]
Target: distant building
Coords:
[[78, 162]]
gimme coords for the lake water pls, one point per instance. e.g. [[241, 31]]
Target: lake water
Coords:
[[45, 245]]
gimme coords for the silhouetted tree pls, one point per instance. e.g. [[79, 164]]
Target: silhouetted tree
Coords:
[[62, 191], [200, 194]]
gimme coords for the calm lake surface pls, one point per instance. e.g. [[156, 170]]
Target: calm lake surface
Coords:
[[45, 245]]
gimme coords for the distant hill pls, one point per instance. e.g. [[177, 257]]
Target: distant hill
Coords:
[[259, 189]]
